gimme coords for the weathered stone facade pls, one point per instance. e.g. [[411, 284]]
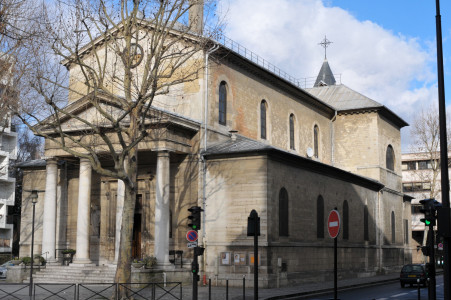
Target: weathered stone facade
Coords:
[[315, 156]]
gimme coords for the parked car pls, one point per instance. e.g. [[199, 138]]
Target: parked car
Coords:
[[3, 269], [411, 273]]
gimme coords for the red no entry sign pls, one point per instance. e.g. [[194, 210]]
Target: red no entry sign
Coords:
[[333, 224], [191, 236]]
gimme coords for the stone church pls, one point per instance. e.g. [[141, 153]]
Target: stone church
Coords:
[[243, 136]]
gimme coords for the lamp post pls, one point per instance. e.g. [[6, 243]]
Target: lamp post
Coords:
[[34, 199]]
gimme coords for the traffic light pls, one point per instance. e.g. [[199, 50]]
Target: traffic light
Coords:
[[199, 251], [429, 210], [195, 217], [195, 270]]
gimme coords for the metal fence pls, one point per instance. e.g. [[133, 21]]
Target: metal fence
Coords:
[[85, 291]]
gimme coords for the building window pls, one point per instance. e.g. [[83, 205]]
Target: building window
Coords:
[[320, 217], [315, 140], [345, 220], [408, 187], [283, 212], [292, 132], [263, 119], [393, 237], [390, 158], [366, 232], [424, 165], [222, 103], [409, 165]]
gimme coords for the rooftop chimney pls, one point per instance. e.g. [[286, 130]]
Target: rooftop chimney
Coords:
[[196, 16]]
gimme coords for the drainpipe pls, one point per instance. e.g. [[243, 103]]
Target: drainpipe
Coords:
[[202, 158], [204, 163], [332, 139]]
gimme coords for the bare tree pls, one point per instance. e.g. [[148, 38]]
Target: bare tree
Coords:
[[121, 55], [425, 134]]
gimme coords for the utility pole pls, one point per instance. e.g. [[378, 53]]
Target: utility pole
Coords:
[[443, 154]]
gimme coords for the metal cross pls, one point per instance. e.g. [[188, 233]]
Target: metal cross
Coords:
[[325, 43]]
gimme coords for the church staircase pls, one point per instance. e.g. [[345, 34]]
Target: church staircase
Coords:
[[74, 274]]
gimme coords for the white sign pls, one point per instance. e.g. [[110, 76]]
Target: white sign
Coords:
[[191, 244]]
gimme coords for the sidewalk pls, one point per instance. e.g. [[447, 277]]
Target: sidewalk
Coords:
[[235, 293]]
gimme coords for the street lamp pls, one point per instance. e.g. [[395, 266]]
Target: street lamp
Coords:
[[34, 199]]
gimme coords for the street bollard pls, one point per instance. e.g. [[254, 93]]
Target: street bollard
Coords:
[[244, 288], [209, 288], [418, 284], [227, 289]]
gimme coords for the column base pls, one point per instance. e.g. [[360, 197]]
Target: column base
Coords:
[[82, 262]]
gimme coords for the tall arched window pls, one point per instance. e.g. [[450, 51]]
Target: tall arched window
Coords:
[[263, 119], [223, 103], [292, 132], [393, 237], [320, 217], [345, 220], [366, 232], [315, 140], [390, 158], [283, 212]]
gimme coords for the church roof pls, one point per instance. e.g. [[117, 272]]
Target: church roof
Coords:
[[345, 99], [325, 76], [242, 145], [342, 97]]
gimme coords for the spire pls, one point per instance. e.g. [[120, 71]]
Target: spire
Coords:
[[325, 76]]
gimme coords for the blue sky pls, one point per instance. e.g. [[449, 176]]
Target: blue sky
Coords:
[[384, 49]]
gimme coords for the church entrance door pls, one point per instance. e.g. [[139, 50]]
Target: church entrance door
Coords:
[[137, 224]]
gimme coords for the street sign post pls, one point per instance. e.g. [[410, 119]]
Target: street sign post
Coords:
[[333, 226], [192, 235], [192, 244]]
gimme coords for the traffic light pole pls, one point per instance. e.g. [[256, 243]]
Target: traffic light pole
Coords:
[[431, 243], [443, 148], [195, 267]]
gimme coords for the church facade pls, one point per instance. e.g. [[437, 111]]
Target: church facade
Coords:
[[238, 138]]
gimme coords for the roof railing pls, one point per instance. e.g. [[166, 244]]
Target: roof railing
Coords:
[[251, 56]]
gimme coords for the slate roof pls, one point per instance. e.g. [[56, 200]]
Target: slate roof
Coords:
[[325, 75], [243, 145], [240, 145], [37, 163], [342, 97]]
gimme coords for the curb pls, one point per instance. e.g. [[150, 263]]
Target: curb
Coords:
[[328, 290]]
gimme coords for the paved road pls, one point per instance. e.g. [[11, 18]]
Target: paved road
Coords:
[[389, 291]]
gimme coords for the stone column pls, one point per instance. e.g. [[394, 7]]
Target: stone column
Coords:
[[162, 209], [119, 209], [49, 214], [84, 214]]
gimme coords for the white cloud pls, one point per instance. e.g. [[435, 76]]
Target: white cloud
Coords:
[[389, 68]]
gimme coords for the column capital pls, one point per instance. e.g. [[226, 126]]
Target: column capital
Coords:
[[84, 160], [51, 160], [163, 153]]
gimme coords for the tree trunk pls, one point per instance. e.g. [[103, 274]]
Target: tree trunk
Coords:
[[123, 272]]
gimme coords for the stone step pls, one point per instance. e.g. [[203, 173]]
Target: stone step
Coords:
[[74, 274]]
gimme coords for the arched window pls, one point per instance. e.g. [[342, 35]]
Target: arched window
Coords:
[[390, 158], [345, 220], [292, 132], [222, 103], [393, 237], [263, 119], [315, 140], [366, 235], [320, 217], [283, 212]]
